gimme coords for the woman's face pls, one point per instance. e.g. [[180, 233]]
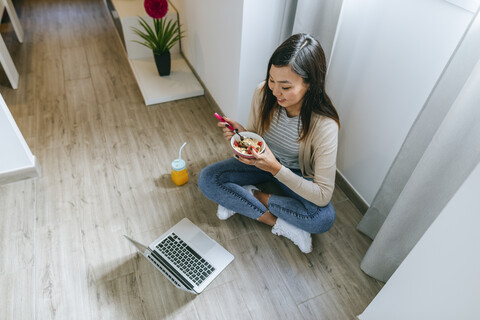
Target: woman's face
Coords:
[[288, 87]]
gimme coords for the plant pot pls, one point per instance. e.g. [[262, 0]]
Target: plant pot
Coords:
[[164, 63]]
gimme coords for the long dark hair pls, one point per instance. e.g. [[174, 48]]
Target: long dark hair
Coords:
[[305, 56]]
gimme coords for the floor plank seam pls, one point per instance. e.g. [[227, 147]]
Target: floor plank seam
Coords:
[[317, 296]]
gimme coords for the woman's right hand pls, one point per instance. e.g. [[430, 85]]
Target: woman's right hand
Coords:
[[227, 133]]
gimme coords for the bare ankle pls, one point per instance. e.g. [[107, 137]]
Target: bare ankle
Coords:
[[262, 197], [267, 218]]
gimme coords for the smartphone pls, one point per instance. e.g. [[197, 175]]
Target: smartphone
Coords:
[[219, 117]]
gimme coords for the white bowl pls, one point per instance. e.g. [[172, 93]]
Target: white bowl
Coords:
[[246, 134]]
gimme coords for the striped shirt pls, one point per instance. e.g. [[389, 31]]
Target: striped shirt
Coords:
[[282, 138]]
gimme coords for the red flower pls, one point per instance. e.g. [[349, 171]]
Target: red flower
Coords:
[[156, 9]]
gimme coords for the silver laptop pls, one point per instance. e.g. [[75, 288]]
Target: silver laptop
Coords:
[[186, 256]]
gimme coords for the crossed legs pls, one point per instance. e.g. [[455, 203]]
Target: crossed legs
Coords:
[[267, 218]]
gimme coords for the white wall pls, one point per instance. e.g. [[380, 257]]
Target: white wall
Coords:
[[440, 278], [16, 160], [228, 44], [261, 35], [386, 59], [319, 18], [212, 45]]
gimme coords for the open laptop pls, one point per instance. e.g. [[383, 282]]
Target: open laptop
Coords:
[[186, 256]]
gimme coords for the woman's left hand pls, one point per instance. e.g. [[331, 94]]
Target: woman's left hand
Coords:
[[265, 161]]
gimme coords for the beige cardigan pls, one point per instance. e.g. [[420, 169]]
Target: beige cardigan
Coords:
[[317, 156]]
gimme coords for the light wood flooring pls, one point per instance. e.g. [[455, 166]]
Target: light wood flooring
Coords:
[[105, 161]]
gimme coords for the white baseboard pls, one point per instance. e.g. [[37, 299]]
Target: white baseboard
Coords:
[[19, 174]]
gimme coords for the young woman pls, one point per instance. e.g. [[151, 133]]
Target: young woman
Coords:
[[294, 115]]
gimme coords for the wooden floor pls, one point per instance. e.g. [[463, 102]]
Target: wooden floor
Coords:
[[105, 158]]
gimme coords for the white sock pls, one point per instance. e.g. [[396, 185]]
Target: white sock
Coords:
[[301, 238], [250, 188], [224, 213]]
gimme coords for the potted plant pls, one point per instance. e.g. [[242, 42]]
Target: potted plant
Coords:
[[161, 37]]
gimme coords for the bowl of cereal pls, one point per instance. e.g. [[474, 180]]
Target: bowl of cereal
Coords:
[[243, 148]]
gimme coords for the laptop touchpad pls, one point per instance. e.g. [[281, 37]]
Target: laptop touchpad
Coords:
[[202, 242]]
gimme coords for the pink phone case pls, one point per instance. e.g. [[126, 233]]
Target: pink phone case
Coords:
[[219, 117]]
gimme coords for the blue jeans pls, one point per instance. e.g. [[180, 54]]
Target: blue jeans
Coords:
[[222, 183]]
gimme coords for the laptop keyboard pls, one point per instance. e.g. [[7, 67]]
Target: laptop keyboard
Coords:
[[185, 258]]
